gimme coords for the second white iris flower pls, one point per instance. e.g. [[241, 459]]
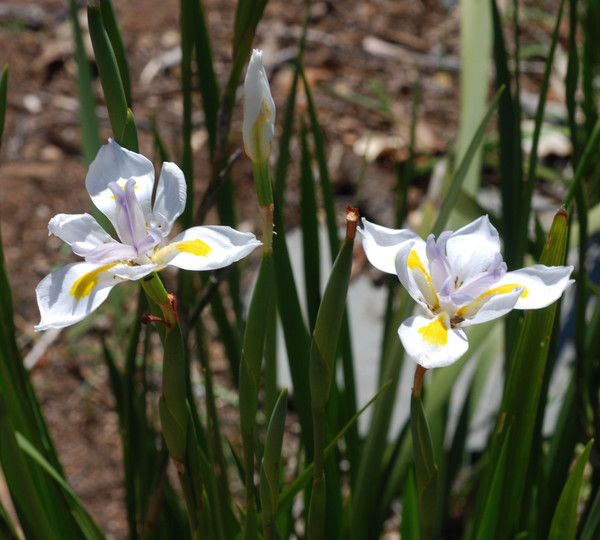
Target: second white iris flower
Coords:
[[459, 279]]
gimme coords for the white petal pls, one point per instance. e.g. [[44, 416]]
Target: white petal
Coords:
[[82, 229], [133, 272], [413, 271], [170, 198], [117, 164], [431, 342], [472, 249], [381, 244], [206, 248], [71, 293], [259, 110], [543, 284]]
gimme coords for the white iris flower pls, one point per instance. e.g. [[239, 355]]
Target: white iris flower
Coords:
[[459, 279], [121, 184]]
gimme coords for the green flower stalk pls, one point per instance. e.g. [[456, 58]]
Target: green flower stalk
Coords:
[[426, 469], [322, 366], [259, 130]]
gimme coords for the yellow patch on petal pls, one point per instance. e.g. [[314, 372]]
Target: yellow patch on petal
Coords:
[[195, 247], [423, 280], [436, 332], [84, 285], [473, 307]]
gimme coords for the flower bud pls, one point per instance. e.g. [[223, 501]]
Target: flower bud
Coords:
[[259, 111]]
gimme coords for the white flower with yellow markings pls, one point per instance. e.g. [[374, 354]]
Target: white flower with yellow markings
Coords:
[[121, 185], [459, 279]]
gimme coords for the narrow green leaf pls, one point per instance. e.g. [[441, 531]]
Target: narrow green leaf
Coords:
[[247, 16], [33, 516], [296, 336], [129, 137], [590, 18], [108, 70], [590, 151], [409, 526], [475, 34], [368, 487], [298, 484], [564, 522], [172, 405], [510, 154], [113, 31], [348, 397], [522, 236], [186, 21], [327, 328], [590, 529], [90, 128], [558, 461], [250, 371], [522, 393], [426, 468], [491, 511], [270, 470], [207, 79], [85, 520], [310, 231]]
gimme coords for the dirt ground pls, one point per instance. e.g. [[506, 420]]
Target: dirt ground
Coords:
[[362, 60]]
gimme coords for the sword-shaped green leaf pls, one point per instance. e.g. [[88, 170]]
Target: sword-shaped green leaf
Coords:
[[270, 470], [564, 522]]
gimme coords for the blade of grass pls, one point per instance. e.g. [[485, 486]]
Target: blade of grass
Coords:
[[491, 511], [310, 231], [207, 80], [90, 128], [108, 70], [564, 522], [522, 393], [113, 32], [270, 470], [87, 524], [475, 32], [322, 369], [522, 236], [187, 162], [409, 526], [287, 496], [25, 491], [510, 154], [348, 397]]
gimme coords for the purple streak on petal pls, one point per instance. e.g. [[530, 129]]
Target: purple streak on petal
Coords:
[[438, 266], [153, 238], [105, 253], [130, 219], [481, 283]]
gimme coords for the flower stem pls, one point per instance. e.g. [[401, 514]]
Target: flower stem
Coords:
[[156, 291], [418, 381]]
